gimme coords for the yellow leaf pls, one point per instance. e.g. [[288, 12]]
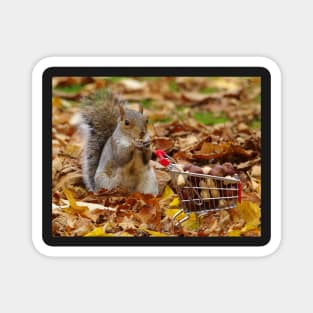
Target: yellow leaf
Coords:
[[192, 223], [239, 232], [72, 202], [250, 212], [167, 192], [154, 233], [175, 202], [258, 189], [56, 102], [98, 232], [171, 212], [235, 233], [70, 198]]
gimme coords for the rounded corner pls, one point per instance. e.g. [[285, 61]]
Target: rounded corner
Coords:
[[41, 246], [43, 66], [270, 65], [271, 246]]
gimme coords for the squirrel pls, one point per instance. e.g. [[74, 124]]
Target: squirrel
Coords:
[[116, 151]]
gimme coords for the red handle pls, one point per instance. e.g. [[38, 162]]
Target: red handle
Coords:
[[239, 191], [161, 155]]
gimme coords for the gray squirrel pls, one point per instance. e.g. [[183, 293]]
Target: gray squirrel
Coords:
[[116, 150]]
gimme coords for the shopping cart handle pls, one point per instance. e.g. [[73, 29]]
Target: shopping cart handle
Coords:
[[161, 155]]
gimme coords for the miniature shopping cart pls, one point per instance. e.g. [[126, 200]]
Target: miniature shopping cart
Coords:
[[200, 193]]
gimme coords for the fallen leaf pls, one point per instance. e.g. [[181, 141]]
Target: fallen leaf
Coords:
[[163, 143], [98, 232], [163, 179], [154, 233], [187, 142], [223, 152], [256, 171], [251, 214], [204, 121], [73, 207], [132, 85]]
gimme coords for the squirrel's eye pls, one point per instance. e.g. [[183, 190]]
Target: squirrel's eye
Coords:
[[147, 121], [126, 122]]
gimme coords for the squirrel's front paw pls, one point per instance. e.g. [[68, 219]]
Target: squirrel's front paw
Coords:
[[140, 144], [146, 144]]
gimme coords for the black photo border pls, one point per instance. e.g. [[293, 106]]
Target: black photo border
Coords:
[[235, 71]]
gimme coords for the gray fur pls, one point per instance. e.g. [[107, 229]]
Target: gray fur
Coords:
[[135, 174], [112, 156], [97, 128]]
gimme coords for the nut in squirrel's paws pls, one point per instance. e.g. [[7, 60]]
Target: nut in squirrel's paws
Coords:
[[141, 144]]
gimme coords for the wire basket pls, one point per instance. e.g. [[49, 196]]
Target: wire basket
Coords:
[[201, 193]]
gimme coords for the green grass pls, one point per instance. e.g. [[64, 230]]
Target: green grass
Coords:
[[256, 123], [257, 98], [181, 112], [208, 118], [173, 86], [181, 108], [146, 103], [162, 120], [165, 120], [114, 79], [209, 90], [70, 89], [66, 104]]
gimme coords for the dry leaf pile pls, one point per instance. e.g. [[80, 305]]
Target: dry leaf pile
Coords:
[[200, 120]]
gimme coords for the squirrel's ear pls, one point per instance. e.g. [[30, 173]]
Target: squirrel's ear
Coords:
[[122, 111], [140, 108]]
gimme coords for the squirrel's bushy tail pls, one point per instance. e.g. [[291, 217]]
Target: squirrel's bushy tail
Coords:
[[100, 113]]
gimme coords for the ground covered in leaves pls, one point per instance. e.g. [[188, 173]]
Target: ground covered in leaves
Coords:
[[200, 120]]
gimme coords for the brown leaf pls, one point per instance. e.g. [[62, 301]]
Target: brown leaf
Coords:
[[247, 165], [163, 179], [185, 139], [163, 143], [223, 152]]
